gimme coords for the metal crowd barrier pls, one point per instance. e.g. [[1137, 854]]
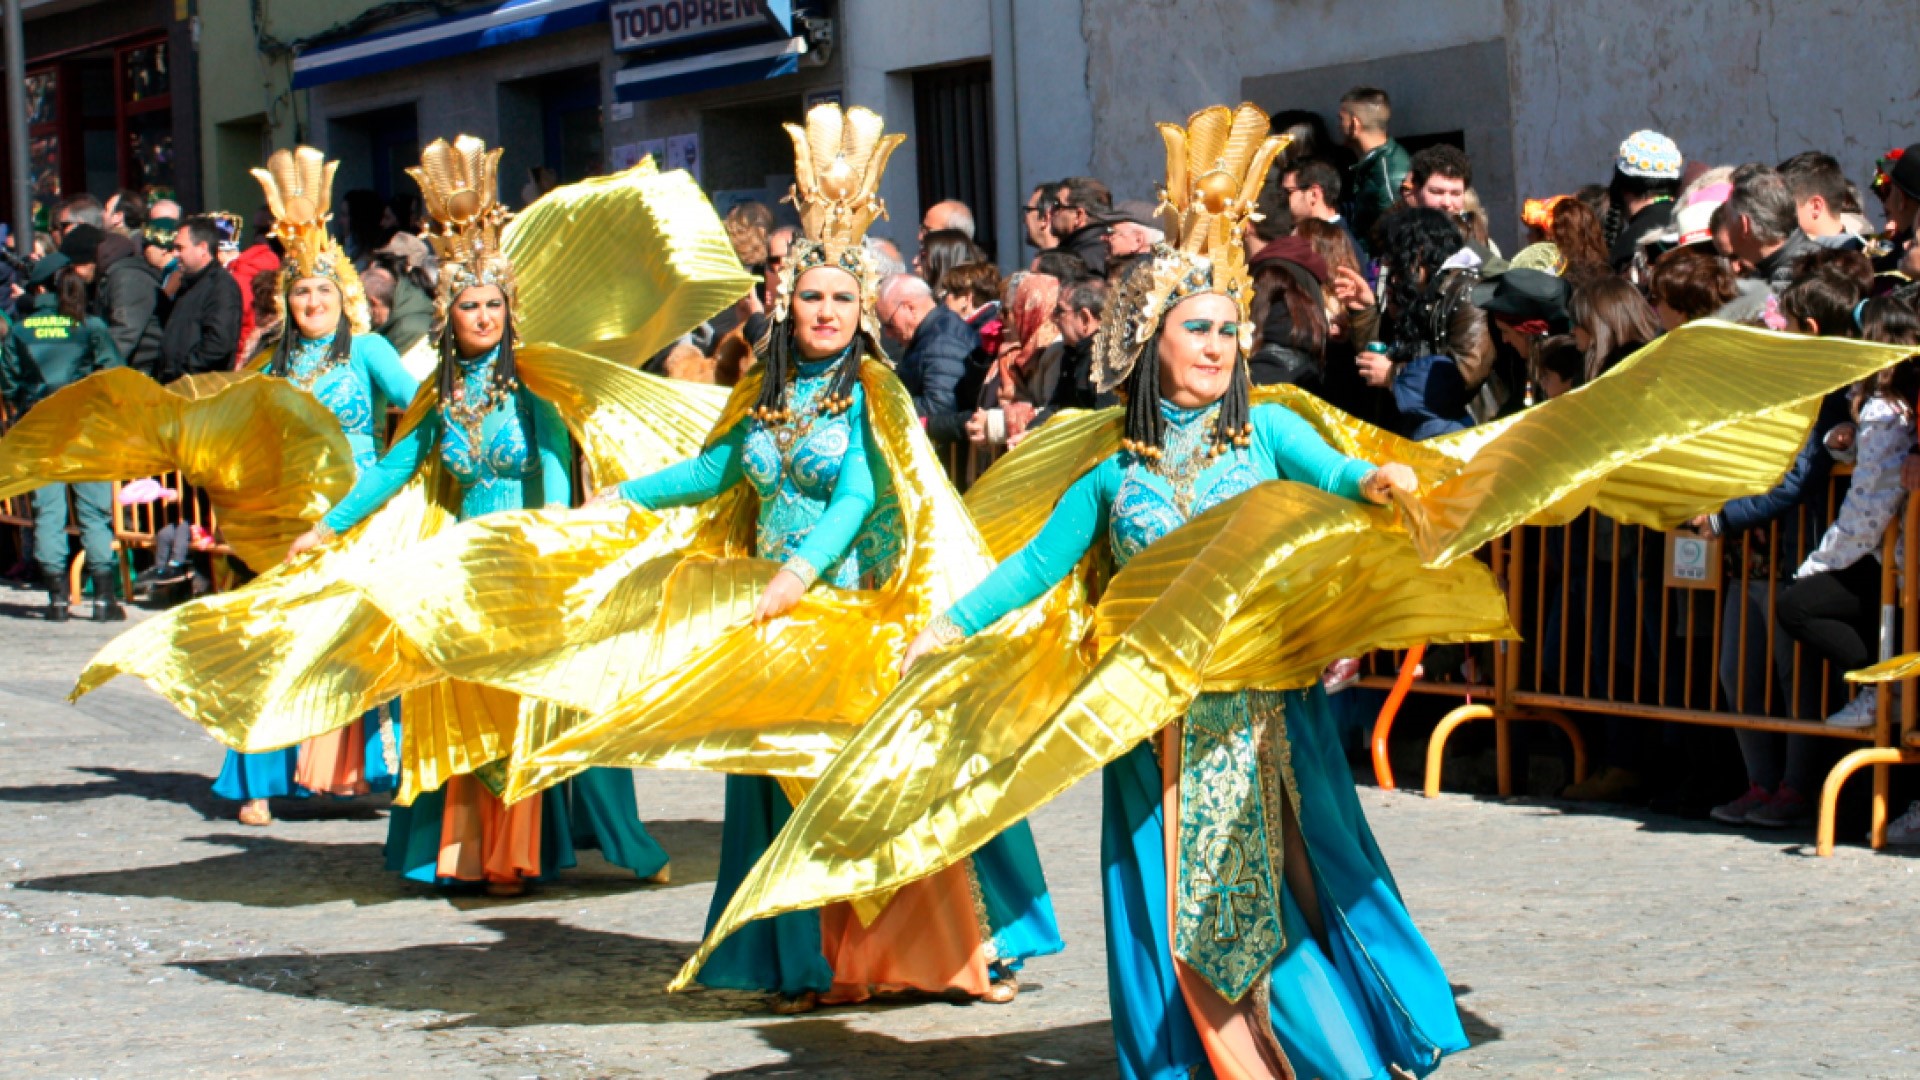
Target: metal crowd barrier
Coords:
[[135, 528], [1609, 632]]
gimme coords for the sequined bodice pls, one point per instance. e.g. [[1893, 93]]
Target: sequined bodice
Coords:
[[492, 466], [342, 388], [793, 469], [1152, 501]]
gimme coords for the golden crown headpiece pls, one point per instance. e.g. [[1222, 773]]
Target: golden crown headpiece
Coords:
[[299, 187], [459, 182], [838, 159], [1216, 167]]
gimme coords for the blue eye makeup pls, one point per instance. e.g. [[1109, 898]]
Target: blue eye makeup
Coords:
[[811, 296]]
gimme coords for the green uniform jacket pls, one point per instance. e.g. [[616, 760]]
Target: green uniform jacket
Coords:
[[45, 351]]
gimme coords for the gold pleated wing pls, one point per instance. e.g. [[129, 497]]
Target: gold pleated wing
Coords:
[[1263, 591], [270, 458], [586, 285], [642, 620], [314, 654], [1896, 669]]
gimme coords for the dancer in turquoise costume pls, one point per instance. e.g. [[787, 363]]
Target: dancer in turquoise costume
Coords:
[[506, 449], [1349, 986], [1253, 928], [325, 348], [828, 511]]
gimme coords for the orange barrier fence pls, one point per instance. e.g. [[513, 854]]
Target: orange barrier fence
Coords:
[[136, 527], [1614, 624]]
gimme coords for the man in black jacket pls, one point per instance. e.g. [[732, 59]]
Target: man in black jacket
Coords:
[[1076, 203], [126, 293], [1763, 225], [1077, 316], [944, 357], [203, 332]]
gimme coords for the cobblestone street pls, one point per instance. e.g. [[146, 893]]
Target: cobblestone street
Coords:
[[144, 933]]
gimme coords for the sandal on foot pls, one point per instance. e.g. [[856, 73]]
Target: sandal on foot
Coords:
[[506, 889], [782, 1005], [1002, 992], [255, 812]]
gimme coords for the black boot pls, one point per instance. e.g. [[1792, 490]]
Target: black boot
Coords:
[[59, 599], [106, 606]]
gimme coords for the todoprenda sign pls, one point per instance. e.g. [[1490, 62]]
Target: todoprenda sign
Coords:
[[644, 24]]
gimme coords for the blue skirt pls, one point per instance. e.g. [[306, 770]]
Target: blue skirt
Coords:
[[269, 773], [783, 954], [1376, 997], [593, 810]]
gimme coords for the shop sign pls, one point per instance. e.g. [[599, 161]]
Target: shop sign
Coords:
[[644, 24]]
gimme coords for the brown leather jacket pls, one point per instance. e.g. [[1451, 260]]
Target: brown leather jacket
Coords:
[[1459, 331]]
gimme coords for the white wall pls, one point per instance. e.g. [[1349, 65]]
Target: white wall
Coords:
[[1729, 80], [1154, 60]]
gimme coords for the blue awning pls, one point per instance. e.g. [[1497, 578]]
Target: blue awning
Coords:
[[709, 71], [497, 24]]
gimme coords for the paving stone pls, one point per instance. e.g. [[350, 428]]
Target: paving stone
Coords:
[[143, 932]]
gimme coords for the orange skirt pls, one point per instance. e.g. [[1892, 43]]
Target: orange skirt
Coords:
[[335, 763], [483, 839], [931, 938]]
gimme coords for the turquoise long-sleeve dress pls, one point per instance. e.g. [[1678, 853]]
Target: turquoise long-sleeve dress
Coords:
[[1374, 996], [522, 459], [826, 500], [357, 392]]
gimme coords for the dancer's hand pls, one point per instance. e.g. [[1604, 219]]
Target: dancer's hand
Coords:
[[1383, 481], [304, 543], [784, 591], [923, 643]]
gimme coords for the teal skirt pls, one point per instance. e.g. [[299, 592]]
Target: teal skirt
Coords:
[[1375, 997]]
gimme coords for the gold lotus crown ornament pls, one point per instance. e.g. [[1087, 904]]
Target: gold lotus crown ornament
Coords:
[[838, 159], [1216, 167], [459, 182], [299, 187]]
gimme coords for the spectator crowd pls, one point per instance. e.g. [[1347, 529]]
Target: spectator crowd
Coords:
[[1378, 288]]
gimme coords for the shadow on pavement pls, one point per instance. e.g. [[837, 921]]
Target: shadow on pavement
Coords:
[[538, 971], [270, 871], [262, 871], [825, 1046], [192, 790], [1479, 1029]]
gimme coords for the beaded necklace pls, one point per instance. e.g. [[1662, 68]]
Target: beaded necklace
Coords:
[[471, 417], [789, 430], [306, 377]]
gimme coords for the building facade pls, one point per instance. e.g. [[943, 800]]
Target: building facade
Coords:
[[111, 98], [995, 95]]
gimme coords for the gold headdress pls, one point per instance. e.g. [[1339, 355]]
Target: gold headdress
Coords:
[[460, 185], [1216, 166], [838, 159], [299, 188]]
